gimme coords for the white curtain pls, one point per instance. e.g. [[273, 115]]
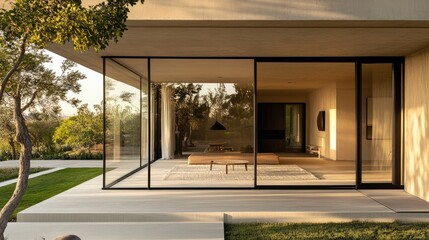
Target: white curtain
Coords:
[[167, 123]]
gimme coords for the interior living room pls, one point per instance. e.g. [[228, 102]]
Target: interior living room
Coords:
[[199, 120], [306, 115]]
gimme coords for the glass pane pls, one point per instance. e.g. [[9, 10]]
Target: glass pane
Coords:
[[126, 128], [306, 123], [202, 117], [377, 119]]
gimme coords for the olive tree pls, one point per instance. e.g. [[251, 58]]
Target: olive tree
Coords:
[[31, 25]]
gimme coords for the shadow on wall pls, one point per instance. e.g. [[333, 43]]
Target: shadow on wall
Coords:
[[416, 125], [417, 152], [272, 9], [278, 9]]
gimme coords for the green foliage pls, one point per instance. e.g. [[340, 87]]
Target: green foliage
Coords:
[[83, 130], [62, 21], [11, 173], [217, 101], [30, 25], [41, 132], [240, 103], [350, 230], [49, 185], [4, 155], [39, 88], [40, 91], [86, 155], [64, 155], [123, 114]]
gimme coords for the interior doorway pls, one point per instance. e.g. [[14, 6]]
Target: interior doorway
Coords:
[[281, 127]]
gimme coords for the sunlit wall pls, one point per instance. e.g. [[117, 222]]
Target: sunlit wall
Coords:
[[416, 142]]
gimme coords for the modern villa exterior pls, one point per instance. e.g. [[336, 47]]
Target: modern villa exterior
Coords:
[[307, 93]]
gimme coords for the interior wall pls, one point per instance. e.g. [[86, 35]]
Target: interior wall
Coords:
[[416, 130], [346, 121], [323, 99]]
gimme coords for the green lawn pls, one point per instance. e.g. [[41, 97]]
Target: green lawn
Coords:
[[46, 186], [351, 230], [11, 173]]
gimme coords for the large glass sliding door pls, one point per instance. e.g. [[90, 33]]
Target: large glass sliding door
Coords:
[[306, 123], [190, 122], [126, 122], [202, 115]]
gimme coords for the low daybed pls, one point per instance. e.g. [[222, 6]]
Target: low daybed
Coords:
[[206, 158]]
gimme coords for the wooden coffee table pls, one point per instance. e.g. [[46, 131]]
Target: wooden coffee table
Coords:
[[229, 162]]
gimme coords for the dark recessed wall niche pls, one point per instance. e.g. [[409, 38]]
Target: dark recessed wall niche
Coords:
[[321, 121]]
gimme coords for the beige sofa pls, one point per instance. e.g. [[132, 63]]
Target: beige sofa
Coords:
[[206, 158]]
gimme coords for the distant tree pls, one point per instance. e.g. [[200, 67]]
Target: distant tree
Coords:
[[83, 130], [240, 103], [32, 24], [218, 100], [42, 132], [240, 113], [189, 110]]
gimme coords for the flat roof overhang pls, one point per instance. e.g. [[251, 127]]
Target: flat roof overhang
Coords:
[[259, 39]]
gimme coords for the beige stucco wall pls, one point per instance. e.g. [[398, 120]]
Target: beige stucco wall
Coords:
[[279, 10], [338, 141], [276, 9], [416, 142], [346, 124], [323, 99]]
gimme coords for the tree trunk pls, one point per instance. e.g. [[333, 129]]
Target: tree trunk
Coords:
[[12, 147], [23, 138]]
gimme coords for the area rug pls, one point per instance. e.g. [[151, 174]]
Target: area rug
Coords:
[[265, 172]]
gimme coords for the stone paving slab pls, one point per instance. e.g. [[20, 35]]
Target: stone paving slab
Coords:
[[398, 200], [90, 198], [115, 231]]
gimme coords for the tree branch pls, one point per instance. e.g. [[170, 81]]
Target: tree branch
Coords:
[[18, 61], [29, 102]]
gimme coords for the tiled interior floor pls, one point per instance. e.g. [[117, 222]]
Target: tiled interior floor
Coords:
[[327, 171]]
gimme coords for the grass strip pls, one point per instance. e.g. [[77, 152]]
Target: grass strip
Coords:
[[48, 185], [349, 230], [12, 173]]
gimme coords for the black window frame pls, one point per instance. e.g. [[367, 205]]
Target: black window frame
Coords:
[[397, 180]]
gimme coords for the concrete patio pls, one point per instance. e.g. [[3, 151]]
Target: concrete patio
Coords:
[[200, 214], [87, 202]]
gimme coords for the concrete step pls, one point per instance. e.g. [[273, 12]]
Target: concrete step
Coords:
[[227, 217], [121, 217], [117, 230]]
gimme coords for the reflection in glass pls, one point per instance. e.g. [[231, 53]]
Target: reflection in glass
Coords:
[[189, 96], [123, 122], [377, 112]]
